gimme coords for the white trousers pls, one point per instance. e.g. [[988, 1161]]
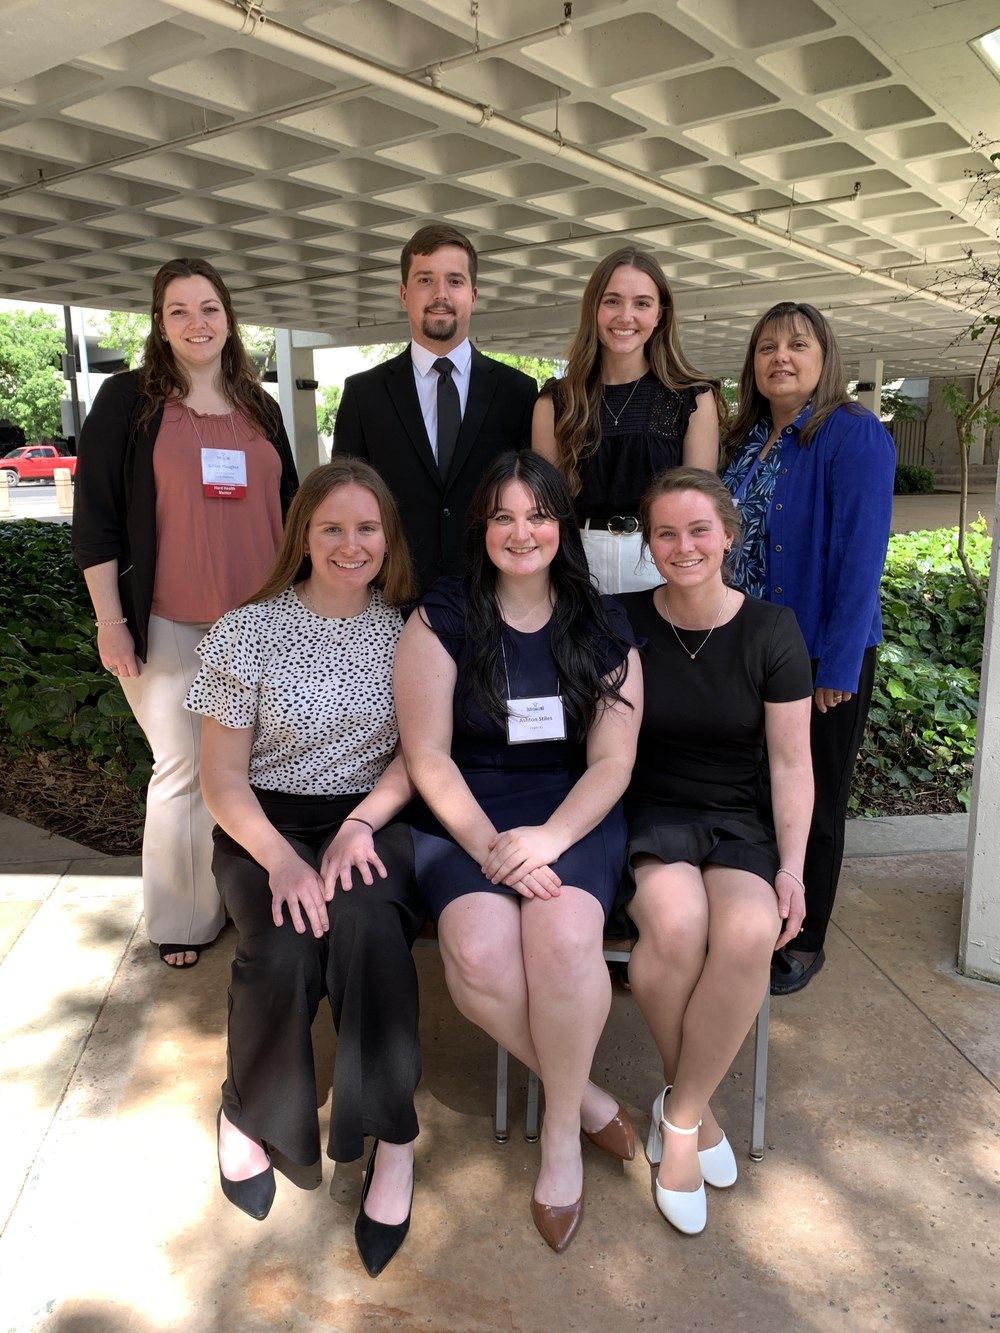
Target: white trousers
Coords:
[[618, 562], [181, 901]]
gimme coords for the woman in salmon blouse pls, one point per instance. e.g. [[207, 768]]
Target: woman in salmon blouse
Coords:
[[184, 477]]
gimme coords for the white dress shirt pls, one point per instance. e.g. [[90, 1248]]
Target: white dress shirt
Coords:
[[426, 379]]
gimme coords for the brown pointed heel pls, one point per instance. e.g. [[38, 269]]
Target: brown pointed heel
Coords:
[[557, 1223], [617, 1137]]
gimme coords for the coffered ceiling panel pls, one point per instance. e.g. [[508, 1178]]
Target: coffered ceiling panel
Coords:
[[761, 149]]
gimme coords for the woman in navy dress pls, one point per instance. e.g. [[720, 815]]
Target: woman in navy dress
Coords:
[[519, 698]]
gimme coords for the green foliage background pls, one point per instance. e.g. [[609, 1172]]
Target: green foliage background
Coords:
[[921, 737], [327, 405], [31, 383], [919, 749], [54, 693], [911, 479]]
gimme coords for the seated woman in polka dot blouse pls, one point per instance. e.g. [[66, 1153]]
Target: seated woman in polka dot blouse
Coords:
[[300, 771]]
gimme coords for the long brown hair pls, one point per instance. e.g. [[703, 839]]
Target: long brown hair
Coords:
[[829, 394], [708, 484], [160, 377], [578, 423], [292, 564]]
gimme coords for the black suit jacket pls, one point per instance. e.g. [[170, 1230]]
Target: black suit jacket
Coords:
[[379, 420]]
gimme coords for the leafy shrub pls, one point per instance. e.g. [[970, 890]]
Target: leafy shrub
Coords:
[[921, 737], [919, 747], [913, 480], [54, 693]]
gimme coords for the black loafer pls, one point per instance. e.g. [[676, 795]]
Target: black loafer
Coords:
[[790, 974]]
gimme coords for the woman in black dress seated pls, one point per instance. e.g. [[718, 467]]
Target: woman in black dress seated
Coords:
[[298, 767], [714, 887], [519, 699]]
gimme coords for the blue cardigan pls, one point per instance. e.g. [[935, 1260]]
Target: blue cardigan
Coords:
[[827, 532]]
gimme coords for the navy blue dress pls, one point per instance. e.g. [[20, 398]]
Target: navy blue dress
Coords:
[[514, 784]]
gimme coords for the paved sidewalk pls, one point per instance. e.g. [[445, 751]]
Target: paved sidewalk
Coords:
[[876, 1206]]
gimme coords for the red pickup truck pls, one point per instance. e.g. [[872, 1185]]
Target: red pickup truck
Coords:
[[35, 462]]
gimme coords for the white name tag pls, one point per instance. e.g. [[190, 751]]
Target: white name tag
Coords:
[[224, 473], [536, 719]]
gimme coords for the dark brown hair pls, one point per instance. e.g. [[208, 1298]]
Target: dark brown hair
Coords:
[[160, 377], [829, 394], [578, 423], [582, 637], [433, 237], [292, 565]]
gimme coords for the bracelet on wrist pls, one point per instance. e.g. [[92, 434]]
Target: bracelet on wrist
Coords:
[[355, 819], [791, 875], [115, 620]]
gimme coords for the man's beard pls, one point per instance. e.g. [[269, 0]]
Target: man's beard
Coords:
[[434, 330]]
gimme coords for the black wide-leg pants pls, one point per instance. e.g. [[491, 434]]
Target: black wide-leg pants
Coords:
[[363, 964], [835, 738]]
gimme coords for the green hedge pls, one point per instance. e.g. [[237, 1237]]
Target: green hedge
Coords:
[[920, 745], [921, 735], [54, 693], [912, 480]]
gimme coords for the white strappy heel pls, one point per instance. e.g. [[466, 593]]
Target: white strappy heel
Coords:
[[718, 1164], [684, 1209]]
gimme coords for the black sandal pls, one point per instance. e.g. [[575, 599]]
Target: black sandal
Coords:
[[179, 948]]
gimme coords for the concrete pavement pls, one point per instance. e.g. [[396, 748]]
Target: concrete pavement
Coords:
[[876, 1206]]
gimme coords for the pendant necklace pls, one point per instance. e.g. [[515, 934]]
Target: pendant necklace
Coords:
[[718, 617], [621, 411]]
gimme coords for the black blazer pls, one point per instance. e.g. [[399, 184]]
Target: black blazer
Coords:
[[114, 500], [379, 420]]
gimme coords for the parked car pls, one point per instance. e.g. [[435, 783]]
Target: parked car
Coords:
[[35, 462]]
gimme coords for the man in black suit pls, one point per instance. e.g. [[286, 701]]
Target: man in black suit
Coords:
[[431, 428]]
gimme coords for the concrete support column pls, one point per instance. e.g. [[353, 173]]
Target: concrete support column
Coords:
[[977, 445], [298, 405], [979, 941], [870, 372]]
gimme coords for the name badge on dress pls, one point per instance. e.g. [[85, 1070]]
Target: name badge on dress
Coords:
[[224, 473], [540, 718]]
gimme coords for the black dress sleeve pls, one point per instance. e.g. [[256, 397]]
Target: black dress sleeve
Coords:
[[789, 671]]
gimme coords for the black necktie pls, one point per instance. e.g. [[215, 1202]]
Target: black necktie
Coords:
[[449, 414]]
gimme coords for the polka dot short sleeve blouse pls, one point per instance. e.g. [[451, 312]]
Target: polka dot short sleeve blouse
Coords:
[[317, 692]]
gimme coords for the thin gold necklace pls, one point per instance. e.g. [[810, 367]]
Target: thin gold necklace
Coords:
[[718, 617]]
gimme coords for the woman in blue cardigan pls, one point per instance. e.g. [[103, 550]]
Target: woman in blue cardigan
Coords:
[[812, 473]]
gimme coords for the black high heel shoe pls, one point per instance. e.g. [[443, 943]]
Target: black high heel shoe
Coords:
[[254, 1196], [377, 1242]]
